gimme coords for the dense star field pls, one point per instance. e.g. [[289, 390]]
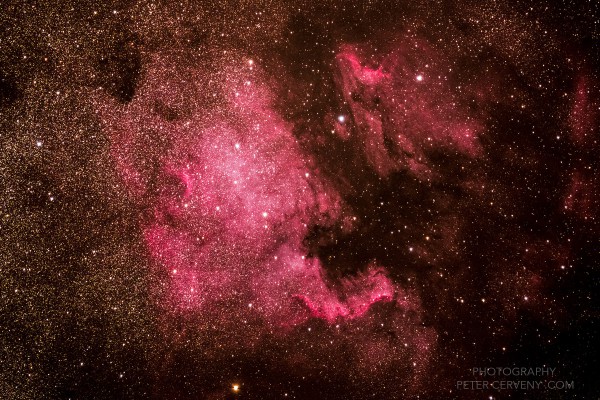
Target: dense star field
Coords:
[[306, 200]]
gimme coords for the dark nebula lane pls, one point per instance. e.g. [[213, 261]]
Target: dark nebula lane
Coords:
[[271, 200]]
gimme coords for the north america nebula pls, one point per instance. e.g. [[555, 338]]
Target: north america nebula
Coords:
[[305, 200]]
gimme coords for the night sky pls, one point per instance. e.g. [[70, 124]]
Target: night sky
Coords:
[[298, 200]]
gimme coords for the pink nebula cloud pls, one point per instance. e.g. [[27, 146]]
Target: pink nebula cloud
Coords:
[[232, 200], [401, 114]]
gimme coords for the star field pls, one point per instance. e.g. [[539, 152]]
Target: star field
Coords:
[[303, 200]]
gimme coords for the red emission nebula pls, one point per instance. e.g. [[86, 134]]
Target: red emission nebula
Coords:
[[235, 197], [307, 201]]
